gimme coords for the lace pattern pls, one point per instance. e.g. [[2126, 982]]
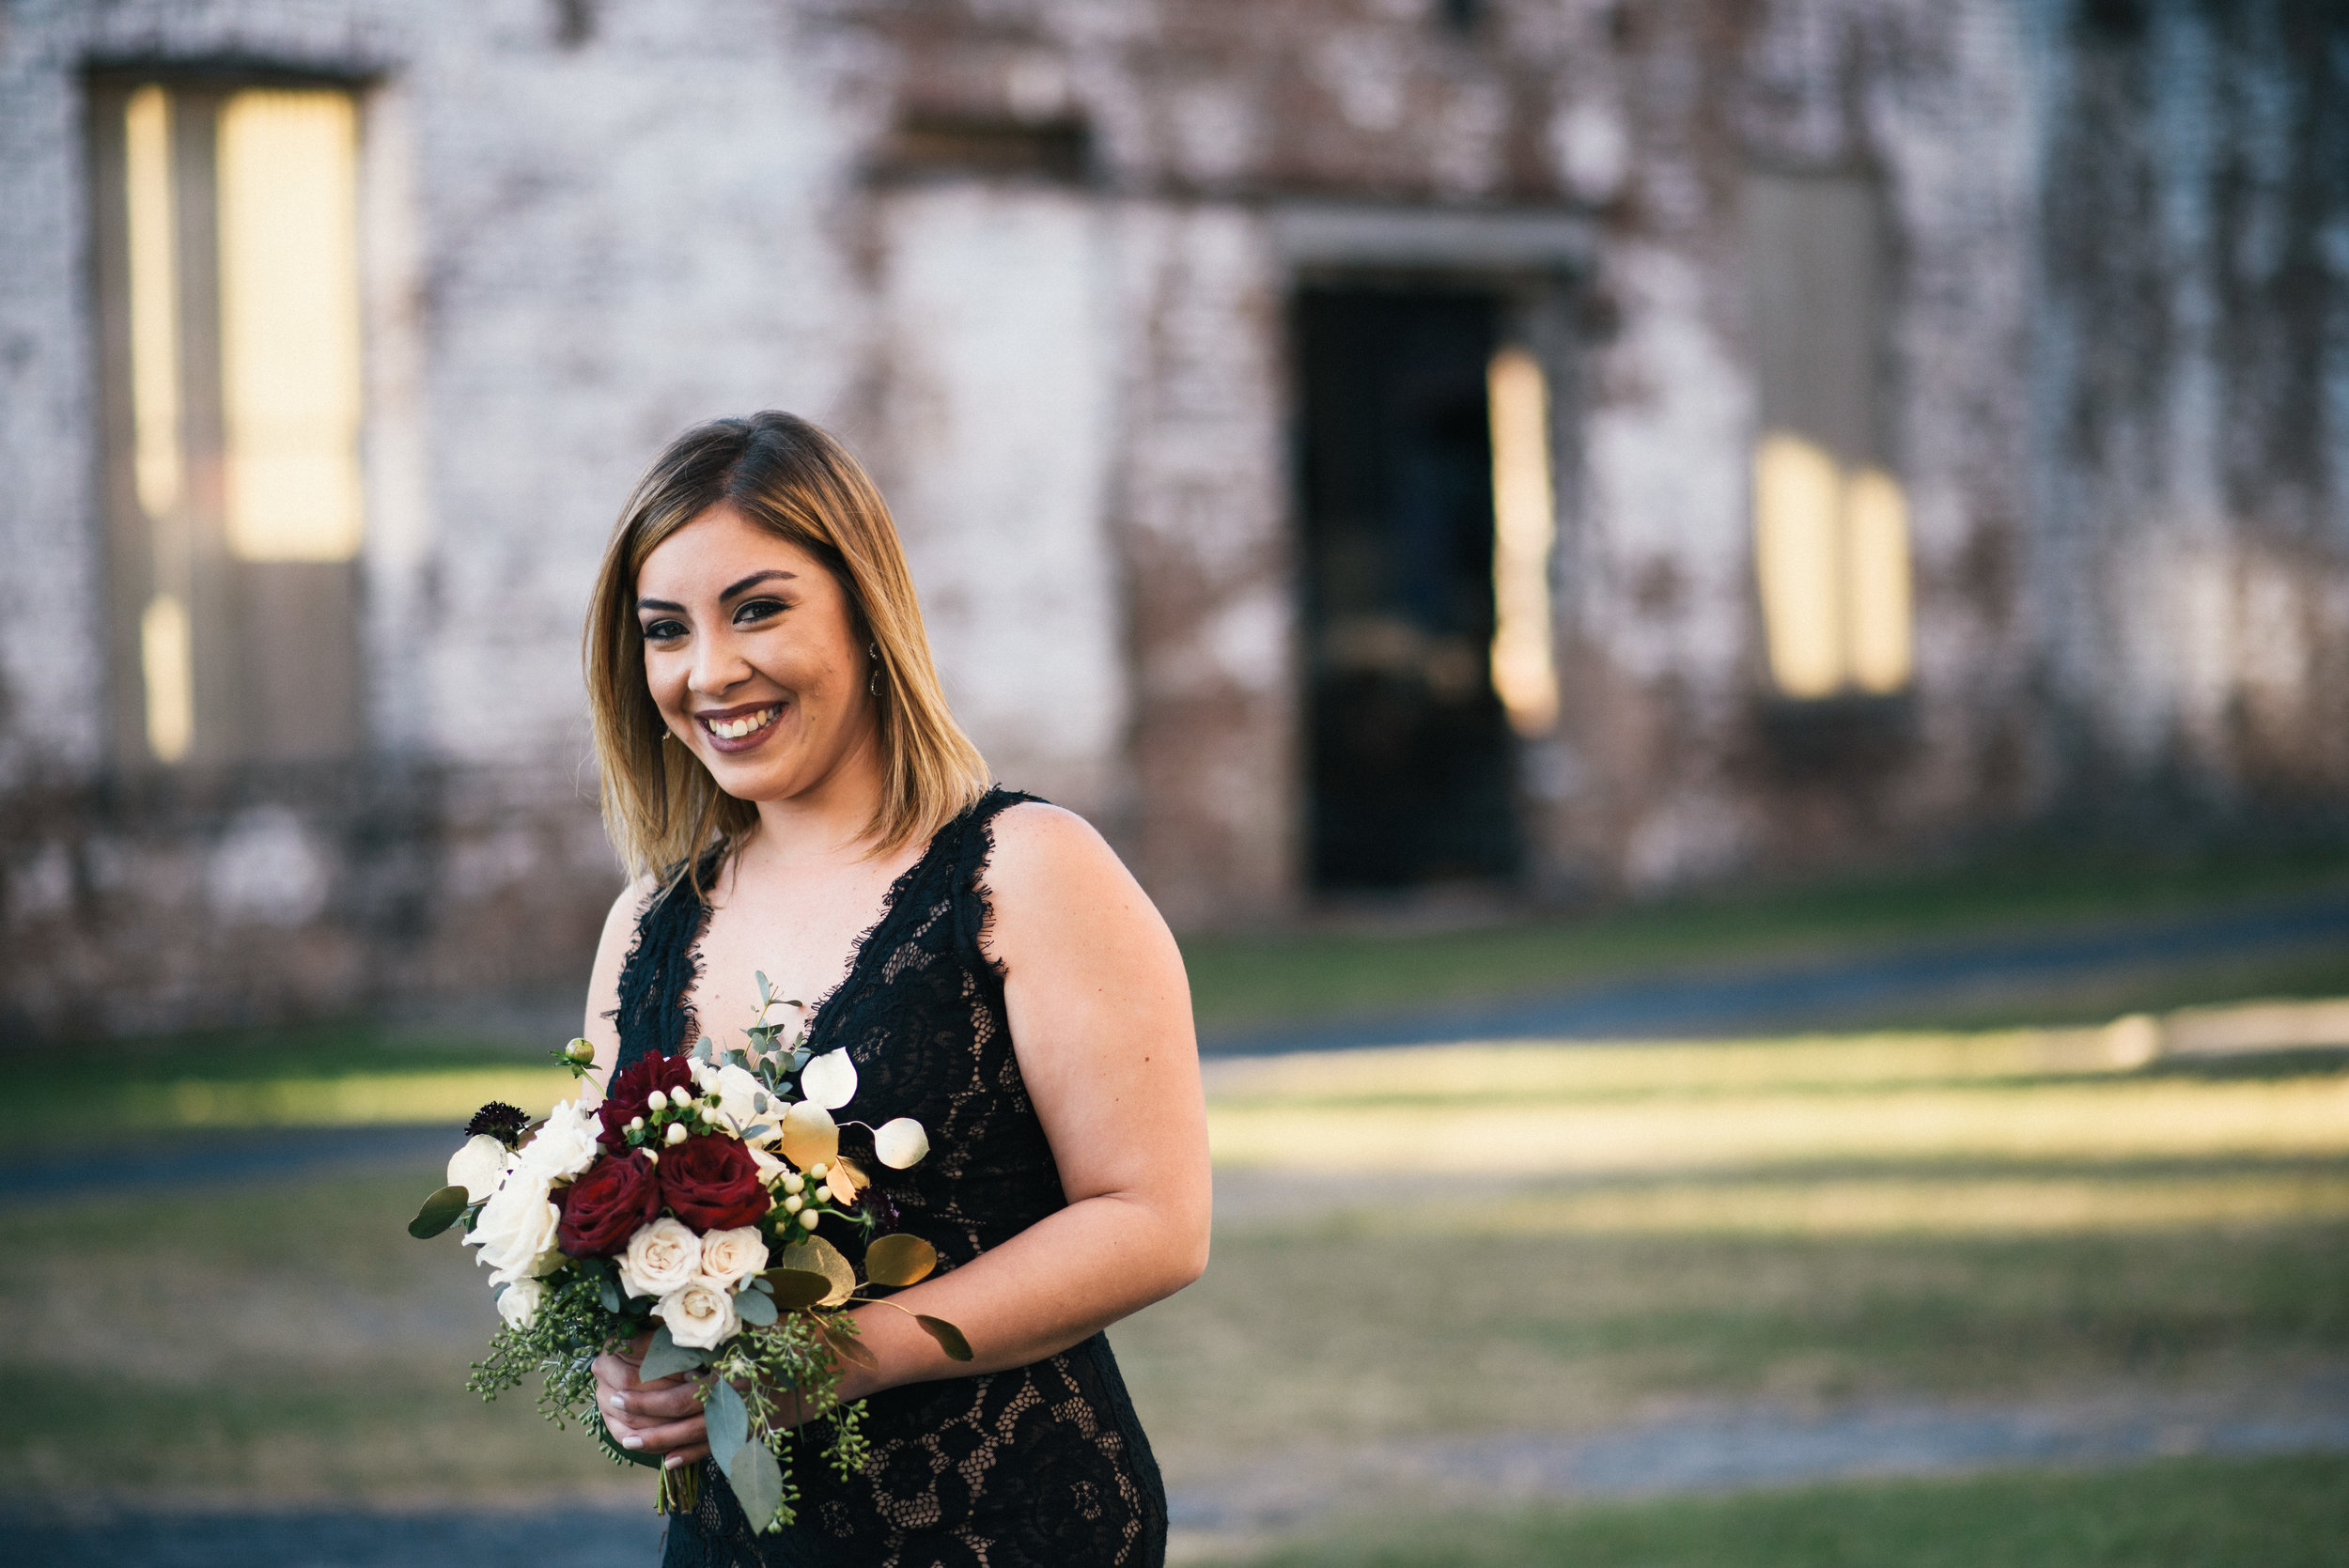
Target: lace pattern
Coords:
[[1043, 1464]]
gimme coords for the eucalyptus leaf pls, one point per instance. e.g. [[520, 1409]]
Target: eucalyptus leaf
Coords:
[[949, 1338], [818, 1256], [667, 1358], [796, 1288], [899, 1259], [761, 976], [610, 1292], [728, 1420], [439, 1213], [850, 1348], [757, 1484], [754, 1308]]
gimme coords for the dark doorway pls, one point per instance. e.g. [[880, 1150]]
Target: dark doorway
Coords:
[[1410, 752]]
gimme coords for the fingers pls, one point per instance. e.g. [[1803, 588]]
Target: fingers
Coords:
[[692, 1434], [619, 1371], [653, 1402], [686, 1456]]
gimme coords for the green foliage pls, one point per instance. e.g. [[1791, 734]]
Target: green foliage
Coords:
[[569, 1330], [786, 1379]]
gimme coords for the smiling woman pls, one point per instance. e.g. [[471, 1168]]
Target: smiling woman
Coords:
[[781, 772]]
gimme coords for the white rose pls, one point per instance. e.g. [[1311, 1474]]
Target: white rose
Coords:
[[901, 1142], [699, 1315], [478, 1166], [515, 1231], [829, 1080], [770, 1169], [517, 1303], [662, 1257], [566, 1145], [730, 1257], [737, 1089]]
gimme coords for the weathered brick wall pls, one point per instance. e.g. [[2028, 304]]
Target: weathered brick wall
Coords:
[[2114, 395]]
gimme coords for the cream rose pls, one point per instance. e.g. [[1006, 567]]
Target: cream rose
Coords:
[[517, 1303], [699, 1315], [662, 1257], [515, 1231], [478, 1166], [566, 1146], [730, 1257]]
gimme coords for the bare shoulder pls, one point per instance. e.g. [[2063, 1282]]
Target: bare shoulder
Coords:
[[1050, 868]]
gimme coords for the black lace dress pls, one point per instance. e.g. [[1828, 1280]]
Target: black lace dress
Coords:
[[1040, 1466]]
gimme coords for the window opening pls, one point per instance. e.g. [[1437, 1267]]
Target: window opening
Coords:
[[226, 224], [1831, 551]]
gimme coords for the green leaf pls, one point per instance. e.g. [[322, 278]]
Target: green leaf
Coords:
[[756, 1309], [667, 1358], [899, 1259], [611, 1294], [757, 1484], [439, 1213], [949, 1338], [763, 994], [728, 1420], [796, 1288]]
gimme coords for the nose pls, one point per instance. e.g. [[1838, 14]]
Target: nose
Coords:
[[718, 665]]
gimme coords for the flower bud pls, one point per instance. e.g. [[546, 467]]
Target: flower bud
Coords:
[[808, 1218], [636, 1123], [677, 1133], [658, 1099], [794, 1183], [581, 1050], [794, 1203], [815, 1172]]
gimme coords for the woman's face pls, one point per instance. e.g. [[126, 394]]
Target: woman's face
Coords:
[[752, 656]]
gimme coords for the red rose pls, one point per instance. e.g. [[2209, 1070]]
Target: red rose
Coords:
[[711, 1183], [631, 1091], [604, 1208]]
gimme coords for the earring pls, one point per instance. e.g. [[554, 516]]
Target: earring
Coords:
[[872, 653]]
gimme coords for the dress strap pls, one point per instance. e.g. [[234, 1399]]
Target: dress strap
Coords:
[[653, 1018], [974, 844]]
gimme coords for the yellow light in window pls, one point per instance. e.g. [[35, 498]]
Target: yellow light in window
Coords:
[[1831, 550], [1524, 667], [290, 324], [1798, 490], [1876, 521], [165, 661], [154, 300]]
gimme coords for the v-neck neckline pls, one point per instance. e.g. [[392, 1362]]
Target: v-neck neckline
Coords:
[[819, 1011]]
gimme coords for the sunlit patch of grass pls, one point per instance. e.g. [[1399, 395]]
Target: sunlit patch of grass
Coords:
[[355, 1099], [2280, 1513], [2118, 1120]]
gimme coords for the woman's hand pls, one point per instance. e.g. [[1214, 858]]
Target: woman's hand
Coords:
[[663, 1416]]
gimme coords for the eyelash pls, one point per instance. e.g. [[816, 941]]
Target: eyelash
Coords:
[[670, 630]]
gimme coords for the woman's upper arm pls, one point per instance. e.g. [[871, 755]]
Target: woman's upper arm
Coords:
[[1100, 1016], [603, 983]]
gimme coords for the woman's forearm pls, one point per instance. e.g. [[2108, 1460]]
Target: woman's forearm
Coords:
[[1059, 1281]]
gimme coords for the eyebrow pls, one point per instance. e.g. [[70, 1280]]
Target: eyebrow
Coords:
[[742, 587]]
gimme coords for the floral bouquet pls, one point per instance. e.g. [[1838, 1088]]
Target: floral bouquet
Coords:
[[687, 1204]]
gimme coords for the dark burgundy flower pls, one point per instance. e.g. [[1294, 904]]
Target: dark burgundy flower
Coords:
[[631, 1090], [711, 1183], [501, 1121], [604, 1208]]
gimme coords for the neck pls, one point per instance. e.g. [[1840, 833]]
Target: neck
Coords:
[[830, 816]]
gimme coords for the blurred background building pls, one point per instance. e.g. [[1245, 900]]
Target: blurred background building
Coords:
[[1563, 445]]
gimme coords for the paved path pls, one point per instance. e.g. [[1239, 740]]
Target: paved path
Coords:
[[209, 1159], [1825, 992]]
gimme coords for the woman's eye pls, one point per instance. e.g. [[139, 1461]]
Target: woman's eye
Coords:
[[758, 610], [663, 632]]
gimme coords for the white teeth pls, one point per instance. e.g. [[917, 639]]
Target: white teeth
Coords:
[[735, 729]]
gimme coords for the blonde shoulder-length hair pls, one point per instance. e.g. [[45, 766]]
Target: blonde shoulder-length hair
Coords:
[[663, 810]]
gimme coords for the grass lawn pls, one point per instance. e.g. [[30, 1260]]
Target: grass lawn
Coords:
[[2289, 1513]]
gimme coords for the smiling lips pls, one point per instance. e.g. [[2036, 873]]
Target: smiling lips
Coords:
[[733, 729]]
